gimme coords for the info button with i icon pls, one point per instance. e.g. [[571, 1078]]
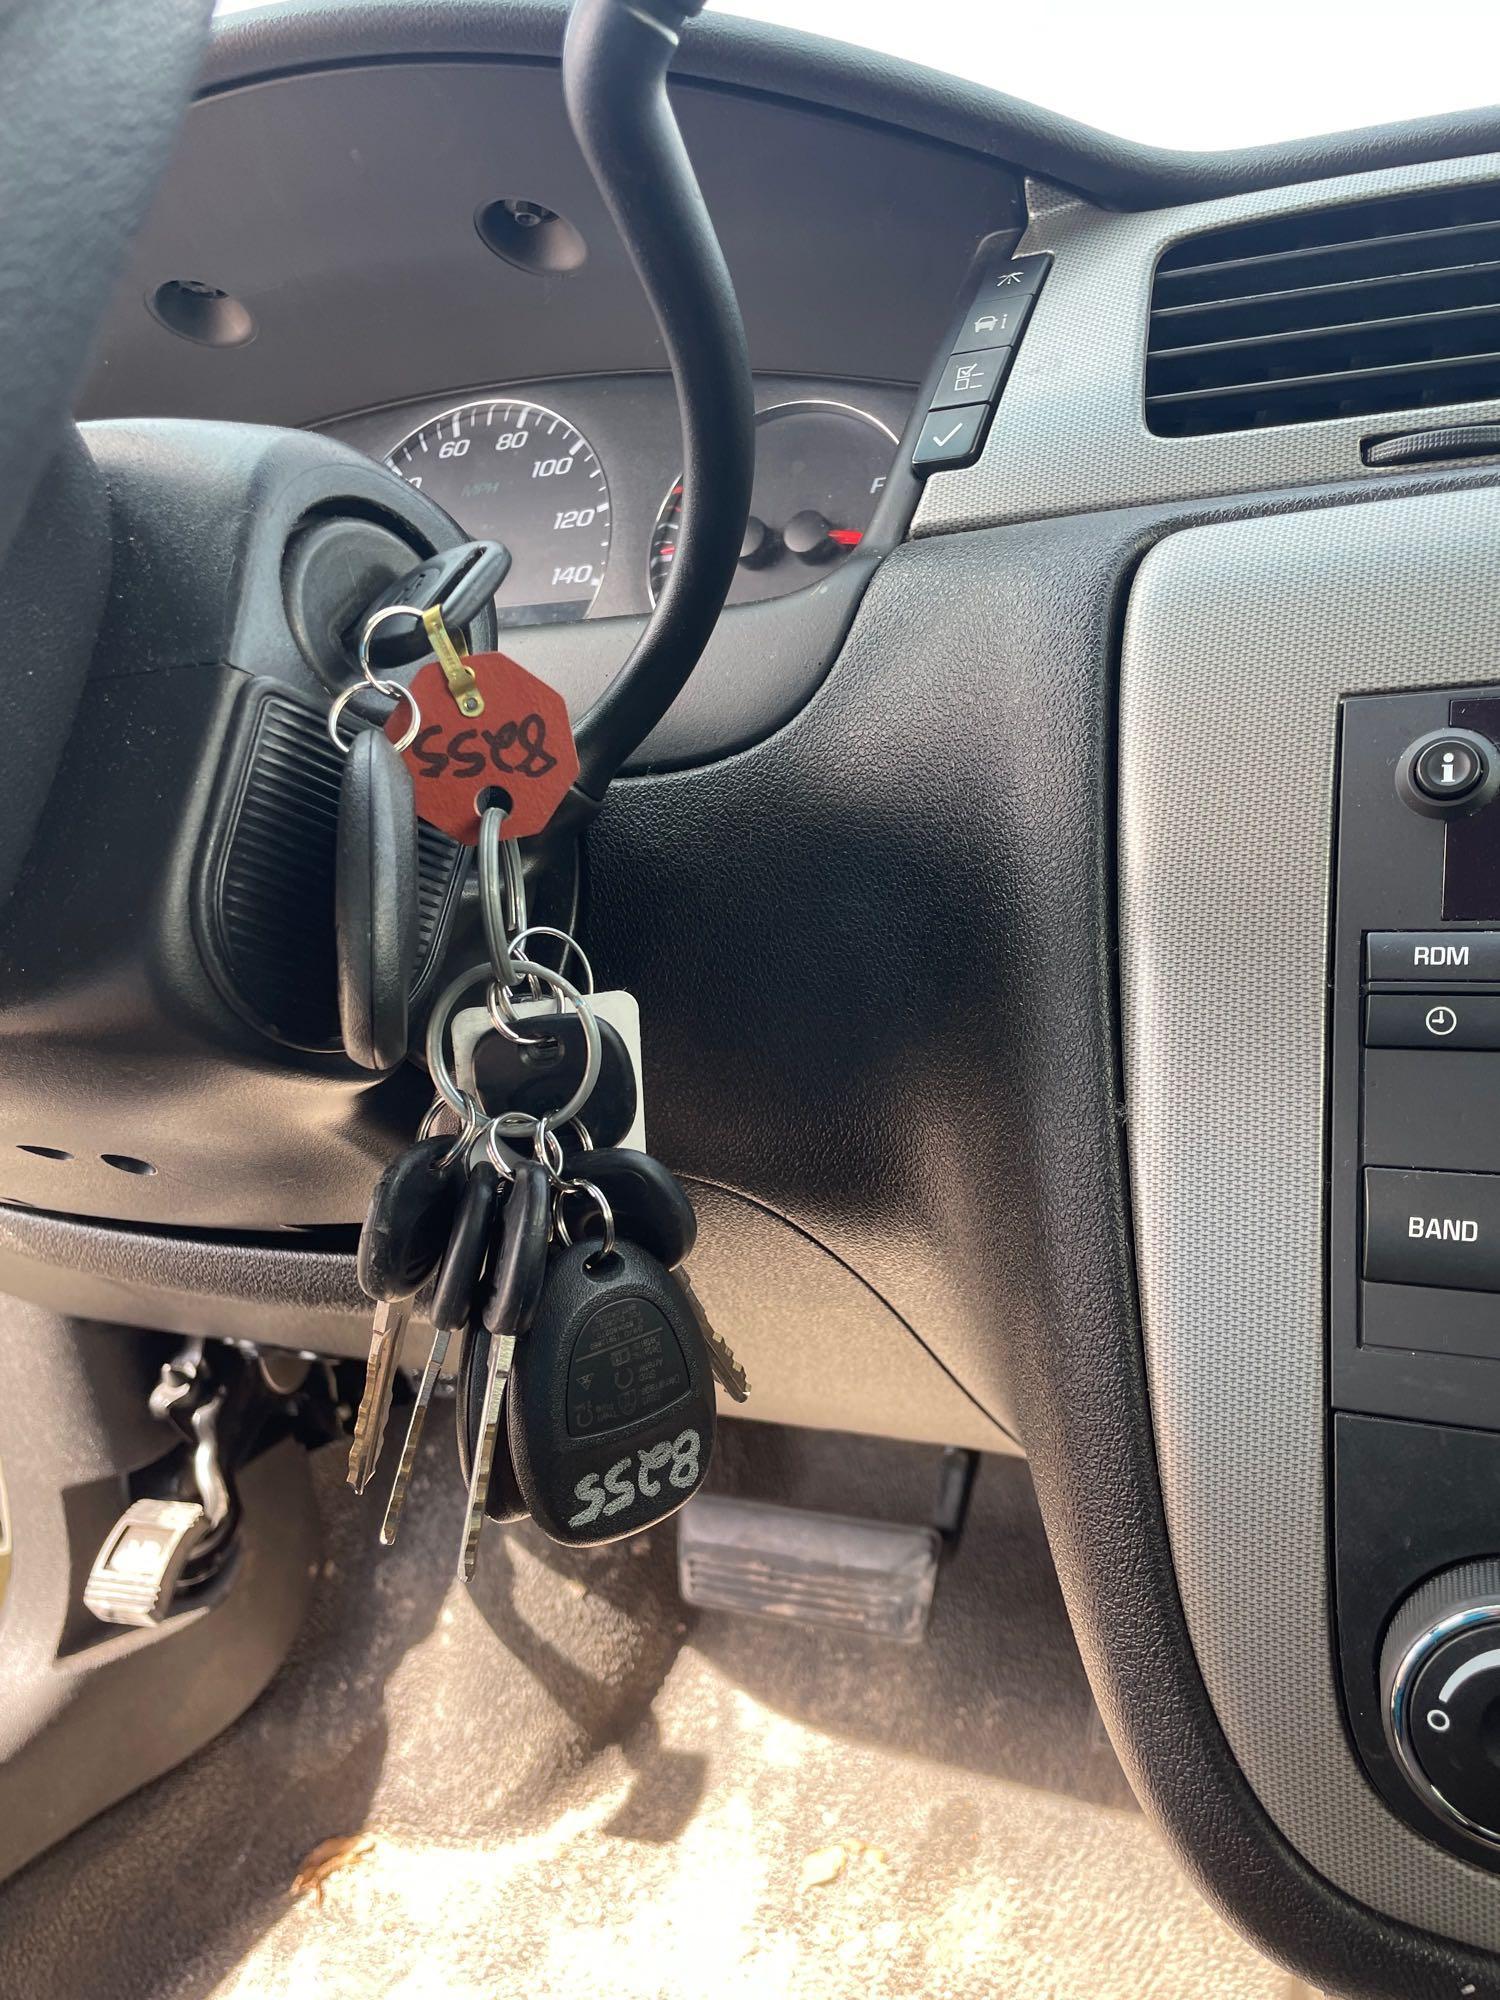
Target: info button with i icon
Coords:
[[1449, 773], [1446, 770]]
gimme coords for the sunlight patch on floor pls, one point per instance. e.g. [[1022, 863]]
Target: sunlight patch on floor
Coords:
[[950, 1883]]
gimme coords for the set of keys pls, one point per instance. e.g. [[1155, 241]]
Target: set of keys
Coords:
[[547, 1248]]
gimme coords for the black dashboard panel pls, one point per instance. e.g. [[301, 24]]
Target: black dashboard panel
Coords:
[[338, 207], [890, 928]]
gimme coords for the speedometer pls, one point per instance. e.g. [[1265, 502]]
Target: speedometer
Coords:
[[518, 473]]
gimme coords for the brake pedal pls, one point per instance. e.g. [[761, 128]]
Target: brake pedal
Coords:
[[137, 1572], [766, 1561]]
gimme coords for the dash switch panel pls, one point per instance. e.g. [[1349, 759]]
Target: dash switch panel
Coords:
[[1414, 1250]]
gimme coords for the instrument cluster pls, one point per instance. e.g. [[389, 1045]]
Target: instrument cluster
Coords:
[[580, 480]]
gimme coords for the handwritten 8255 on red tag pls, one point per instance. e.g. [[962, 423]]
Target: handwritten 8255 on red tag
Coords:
[[521, 745]]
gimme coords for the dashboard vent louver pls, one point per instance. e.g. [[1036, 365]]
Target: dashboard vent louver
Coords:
[[1338, 312]]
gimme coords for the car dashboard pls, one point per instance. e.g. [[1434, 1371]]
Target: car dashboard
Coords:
[[999, 891]]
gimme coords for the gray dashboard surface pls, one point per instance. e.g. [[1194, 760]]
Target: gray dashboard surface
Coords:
[[1070, 435], [860, 82], [1239, 641], [339, 207]]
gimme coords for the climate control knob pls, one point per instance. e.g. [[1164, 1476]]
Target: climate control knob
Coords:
[[1440, 1694]]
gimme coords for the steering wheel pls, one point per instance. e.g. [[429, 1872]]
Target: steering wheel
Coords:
[[91, 96]]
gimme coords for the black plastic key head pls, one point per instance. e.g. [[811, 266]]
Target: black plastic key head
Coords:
[[647, 1202], [409, 1220], [455, 1295], [542, 1072], [518, 1268], [610, 1404], [376, 891], [460, 581], [513, 1289]]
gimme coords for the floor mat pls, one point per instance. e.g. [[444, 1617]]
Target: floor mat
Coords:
[[564, 1784]]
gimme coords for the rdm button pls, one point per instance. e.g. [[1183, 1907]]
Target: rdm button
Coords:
[[1433, 1229], [1437, 957]]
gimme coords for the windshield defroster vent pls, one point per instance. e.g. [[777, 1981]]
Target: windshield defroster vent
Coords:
[[1339, 312]]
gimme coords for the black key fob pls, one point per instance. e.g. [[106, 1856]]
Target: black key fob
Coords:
[[610, 1403], [375, 910], [646, 1200], [410, 1219]]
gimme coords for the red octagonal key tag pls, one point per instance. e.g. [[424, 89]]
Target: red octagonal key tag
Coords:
[[521, 745]]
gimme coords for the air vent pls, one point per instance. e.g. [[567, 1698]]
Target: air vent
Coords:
[[1338, 312]]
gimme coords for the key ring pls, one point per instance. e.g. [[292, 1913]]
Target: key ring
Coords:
[[438, 1023], [390, 611], [499, 1155], [545, 1143], [473, 1124], [442, 1015], [504, 1018], [396, 691], [566, 940], [493, 900], [593, 1044], [606, 1218], [515, 887]]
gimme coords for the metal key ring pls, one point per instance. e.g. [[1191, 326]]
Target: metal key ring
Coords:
[[503, 1019], [515, 887], [545, 1144], [499, 1155], [492, 899], [395, 690], [606, 1218], [390, 611], [474, 1122], [566, 940], [438, 1023], [442, 1016], [560, 1114]]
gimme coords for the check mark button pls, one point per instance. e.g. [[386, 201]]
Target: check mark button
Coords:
[[950, 437]]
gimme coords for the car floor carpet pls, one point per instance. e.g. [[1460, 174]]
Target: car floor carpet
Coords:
[[565, 1783]]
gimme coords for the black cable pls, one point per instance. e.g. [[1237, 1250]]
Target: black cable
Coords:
[[615, 60]]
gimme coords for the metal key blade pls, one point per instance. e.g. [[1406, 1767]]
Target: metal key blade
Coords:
[[728, 1372], [452, 1297], [518, 1276], [502, 1348], [380, 1383], [430, 1373]]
